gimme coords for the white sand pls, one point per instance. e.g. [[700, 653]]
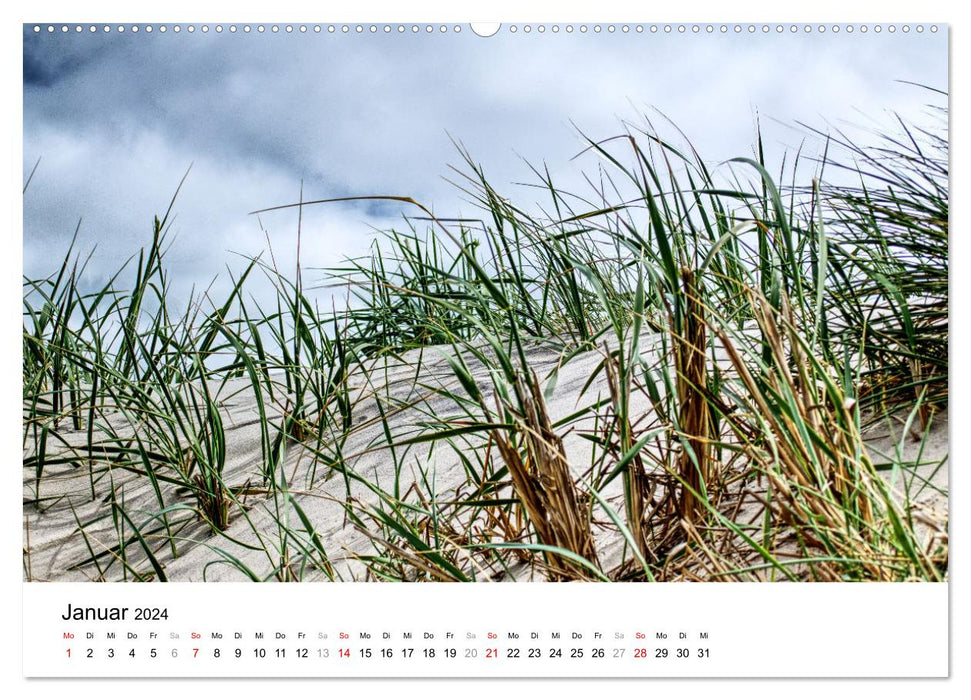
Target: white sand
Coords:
[[54, 546]]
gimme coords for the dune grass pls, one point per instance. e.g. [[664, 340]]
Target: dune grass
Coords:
[[738, 339]]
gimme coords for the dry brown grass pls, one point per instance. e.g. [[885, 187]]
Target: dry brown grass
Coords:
[[694, 464], [542, 480], [798, 429]]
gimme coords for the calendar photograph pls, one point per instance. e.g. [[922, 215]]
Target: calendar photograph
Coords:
[[485, 303]]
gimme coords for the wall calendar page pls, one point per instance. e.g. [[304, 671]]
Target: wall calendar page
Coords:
[[438, 349]]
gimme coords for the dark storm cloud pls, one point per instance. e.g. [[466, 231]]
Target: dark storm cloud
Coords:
[[46, 63], [118, 119]]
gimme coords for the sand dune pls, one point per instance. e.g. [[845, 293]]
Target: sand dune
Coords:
[[68, 515]]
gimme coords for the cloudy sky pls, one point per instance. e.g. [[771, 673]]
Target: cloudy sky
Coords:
[[117, 119]]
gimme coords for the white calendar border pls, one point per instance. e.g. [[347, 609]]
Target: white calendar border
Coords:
[[506, 10]]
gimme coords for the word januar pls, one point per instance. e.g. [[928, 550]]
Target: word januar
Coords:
[[77, 613]]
